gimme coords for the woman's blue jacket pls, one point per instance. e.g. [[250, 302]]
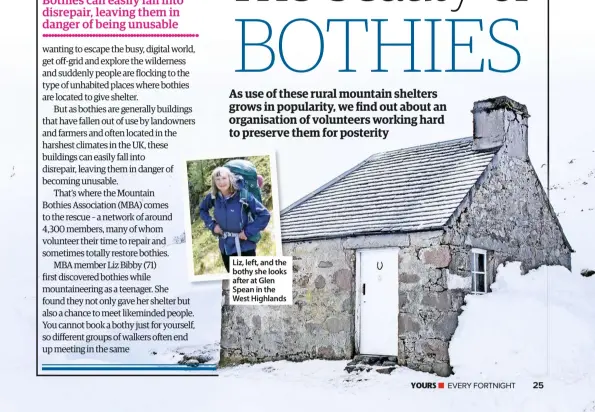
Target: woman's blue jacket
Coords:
[[231, 215]]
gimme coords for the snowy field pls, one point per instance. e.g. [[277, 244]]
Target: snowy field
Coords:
[[502, 337], [573, 196]]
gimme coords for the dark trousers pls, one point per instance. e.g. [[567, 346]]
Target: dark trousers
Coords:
[[244, 253]]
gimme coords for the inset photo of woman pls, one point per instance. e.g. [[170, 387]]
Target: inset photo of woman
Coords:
[[232, 211]]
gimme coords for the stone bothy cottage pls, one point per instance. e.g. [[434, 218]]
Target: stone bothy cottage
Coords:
[[385, 253]]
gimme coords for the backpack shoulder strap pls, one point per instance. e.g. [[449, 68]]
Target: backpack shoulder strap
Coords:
[[244, 197], [245, 201]]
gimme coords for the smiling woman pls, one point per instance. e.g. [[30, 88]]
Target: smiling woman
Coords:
[[231, 201], [238, 217]]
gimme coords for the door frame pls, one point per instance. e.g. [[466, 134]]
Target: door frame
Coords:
[[358, 289]]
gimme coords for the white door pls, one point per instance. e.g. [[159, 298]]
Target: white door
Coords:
[[378, 289]]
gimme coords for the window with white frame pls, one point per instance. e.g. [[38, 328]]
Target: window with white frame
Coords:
[[479, 278]]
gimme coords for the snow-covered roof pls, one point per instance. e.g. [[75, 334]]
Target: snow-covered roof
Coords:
[[405, 190]]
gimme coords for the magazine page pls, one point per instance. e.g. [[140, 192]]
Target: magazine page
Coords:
[[333, 203]]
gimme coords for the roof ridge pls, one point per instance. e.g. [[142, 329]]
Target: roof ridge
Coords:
[[421, 146]]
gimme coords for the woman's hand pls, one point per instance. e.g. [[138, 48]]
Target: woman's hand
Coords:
[[217, 230], [242, 236]]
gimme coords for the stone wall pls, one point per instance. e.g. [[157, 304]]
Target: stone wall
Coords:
[[320, 323], [508, 214], [428, 310]]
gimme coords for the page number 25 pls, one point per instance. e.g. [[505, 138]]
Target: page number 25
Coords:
[[537, 385]]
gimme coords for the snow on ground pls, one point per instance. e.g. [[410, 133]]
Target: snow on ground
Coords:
[[573, 197], [501, 338], [504, 335]]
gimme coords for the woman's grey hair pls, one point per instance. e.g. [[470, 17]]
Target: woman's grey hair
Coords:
[[222, 171]]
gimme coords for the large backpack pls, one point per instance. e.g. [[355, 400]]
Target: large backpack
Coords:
[[248, 184]]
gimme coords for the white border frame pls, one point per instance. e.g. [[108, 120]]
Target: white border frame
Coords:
[[188, 226], [358, 287], [477, 251]]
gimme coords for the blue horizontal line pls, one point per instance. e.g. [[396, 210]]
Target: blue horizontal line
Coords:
[[98, 365], [125, 368]]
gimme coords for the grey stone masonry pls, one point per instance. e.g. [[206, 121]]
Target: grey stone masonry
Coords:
[[501, 123], [514, 224], [428, 311], [320, 323], [508, 214]]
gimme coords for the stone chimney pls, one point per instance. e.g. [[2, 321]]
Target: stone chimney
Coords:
[[501, 122]]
